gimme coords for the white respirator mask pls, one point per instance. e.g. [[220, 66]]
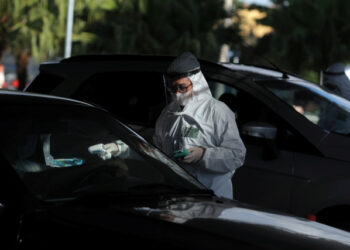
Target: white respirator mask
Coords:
[[182, 98]]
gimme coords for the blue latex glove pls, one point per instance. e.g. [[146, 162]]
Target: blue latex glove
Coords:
[[195, 155]]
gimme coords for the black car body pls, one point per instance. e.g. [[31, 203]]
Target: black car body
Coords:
[[294, 163], [55, 194]]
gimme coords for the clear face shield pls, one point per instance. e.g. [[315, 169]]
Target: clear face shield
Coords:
[[170, 90], [166, 92]]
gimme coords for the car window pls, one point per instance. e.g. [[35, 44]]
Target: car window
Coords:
[[44, 83], [319, 107], [248, 108], [61, 152], [134, 97], [245, 106]]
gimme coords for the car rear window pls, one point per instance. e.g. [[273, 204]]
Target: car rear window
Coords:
[[44, 83]]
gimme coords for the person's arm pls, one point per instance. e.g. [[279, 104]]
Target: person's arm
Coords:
[[230, 153]]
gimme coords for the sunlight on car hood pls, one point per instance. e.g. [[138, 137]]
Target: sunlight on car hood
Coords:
[[286, 223], [186, 211]]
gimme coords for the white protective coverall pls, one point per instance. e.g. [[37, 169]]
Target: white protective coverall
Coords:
[[208, 123]]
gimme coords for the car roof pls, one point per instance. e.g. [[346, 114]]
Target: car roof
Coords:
[[125, 61], [263, 71], [292, 79], [124, 57], [115, 57], [14, 97]]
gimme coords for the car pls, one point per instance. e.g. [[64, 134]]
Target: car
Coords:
[[58, 193], [295, 132]]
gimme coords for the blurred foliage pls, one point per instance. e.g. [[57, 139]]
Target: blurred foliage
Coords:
[[39, 26], [115, 26], [308, 36], [161, 27]]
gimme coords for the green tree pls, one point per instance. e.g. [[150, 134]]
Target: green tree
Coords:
[[308, 35], [37, 28], [161, 27], [18, 23]]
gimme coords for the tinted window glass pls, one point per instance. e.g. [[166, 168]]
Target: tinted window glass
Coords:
[[135, 97], [44, 83], [249, 109], [58, 152], [319, 107]]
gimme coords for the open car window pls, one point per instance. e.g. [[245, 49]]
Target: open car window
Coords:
[[61, 151]]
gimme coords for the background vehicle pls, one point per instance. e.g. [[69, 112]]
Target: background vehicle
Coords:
[[56, 194], [297, 163]]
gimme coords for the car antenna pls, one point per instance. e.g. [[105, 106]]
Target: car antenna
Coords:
[[284, 74]]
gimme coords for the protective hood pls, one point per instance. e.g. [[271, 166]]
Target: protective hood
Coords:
[[336, 81], [184, 65], [200, 86]]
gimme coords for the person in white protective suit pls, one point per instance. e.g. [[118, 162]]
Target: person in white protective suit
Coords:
[[201, 126]]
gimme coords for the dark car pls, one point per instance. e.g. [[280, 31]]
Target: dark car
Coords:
[[296, 133], [56, 193]]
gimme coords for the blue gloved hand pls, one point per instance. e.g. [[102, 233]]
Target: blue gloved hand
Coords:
[[195, 155]]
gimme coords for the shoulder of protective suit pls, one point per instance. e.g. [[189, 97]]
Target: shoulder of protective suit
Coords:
[[219, 104]]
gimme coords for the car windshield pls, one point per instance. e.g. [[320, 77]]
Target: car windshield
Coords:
[[61, 152], [320, 107]]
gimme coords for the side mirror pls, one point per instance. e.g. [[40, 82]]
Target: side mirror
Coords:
[[266, 133], [260, 130]]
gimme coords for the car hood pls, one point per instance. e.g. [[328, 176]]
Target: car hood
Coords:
[[231, 219], [226, 219]]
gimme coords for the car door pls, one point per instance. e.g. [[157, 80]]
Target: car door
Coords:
[[13, 197], [267, 176], [320, 183]]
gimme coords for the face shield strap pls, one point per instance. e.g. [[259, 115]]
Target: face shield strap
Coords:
[[165, 83], [172, 77]]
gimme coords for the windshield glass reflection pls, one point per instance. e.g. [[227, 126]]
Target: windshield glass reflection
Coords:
[[61, 152]]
